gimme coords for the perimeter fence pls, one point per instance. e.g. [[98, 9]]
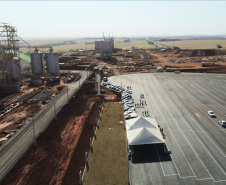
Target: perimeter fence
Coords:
[[18, 144]]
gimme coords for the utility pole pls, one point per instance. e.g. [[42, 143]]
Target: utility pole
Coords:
[[34, 132], [55, 108], [67, 95]]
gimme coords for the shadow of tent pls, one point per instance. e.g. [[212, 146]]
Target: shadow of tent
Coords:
[[150, 153]]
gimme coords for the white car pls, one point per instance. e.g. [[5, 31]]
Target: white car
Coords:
[[128, 105], [126, 108], [127, 112], [211, 114], [132, 109], [128, 116], [222, 123]]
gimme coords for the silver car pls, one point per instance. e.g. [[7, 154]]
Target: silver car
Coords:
[[211, 114]]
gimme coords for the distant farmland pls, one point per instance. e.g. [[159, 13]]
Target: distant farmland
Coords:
[[196, 44], [82, 44]]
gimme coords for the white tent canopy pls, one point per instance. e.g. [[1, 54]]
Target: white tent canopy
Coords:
[[144, 135], [143, 131]]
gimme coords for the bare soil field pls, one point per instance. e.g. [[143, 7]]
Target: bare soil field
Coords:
[[59, 155], [147, 60], [21, 107], [170, 60]]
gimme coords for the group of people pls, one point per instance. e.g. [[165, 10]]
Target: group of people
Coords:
[[145, 113], [129, 88], [141, 104]]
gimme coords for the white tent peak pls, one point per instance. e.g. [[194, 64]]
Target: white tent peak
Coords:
[[141, 122]]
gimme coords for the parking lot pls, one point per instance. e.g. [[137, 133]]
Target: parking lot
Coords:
[[180, 105]]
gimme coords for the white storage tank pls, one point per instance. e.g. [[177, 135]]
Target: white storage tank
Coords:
[[52, 63], [37, 63], [13, 69]]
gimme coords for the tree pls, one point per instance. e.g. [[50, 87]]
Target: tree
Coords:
[[219, 46]]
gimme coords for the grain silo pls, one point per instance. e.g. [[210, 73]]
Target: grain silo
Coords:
[[13, 69], [52, 63], [37, 64]]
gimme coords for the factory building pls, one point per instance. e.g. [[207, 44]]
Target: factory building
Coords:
[[104, 49]]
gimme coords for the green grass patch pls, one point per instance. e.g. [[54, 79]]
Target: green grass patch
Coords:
[[108, 163], [25, 57]]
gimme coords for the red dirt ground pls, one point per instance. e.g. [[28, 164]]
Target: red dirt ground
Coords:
[[60, 151], [11, 122], [167, 59]]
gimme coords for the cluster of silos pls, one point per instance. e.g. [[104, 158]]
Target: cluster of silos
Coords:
[[52, 63]]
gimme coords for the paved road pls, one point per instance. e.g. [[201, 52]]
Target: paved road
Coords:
[[179, 103], [10, 152]]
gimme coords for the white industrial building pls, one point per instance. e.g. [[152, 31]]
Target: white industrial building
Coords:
[[104, 49]]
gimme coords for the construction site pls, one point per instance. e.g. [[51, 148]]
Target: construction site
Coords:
[[28, 89]]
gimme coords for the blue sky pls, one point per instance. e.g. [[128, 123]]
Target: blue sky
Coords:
[[122, 18]]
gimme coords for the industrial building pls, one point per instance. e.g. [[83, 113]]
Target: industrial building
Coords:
[[104, 49]]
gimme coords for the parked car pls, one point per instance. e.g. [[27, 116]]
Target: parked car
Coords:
[[133, 115], [132, 109], [127, 112], [211, 114], [124, 101], [126, 108], [177, 72], [126, 96], [105, 79], [129, 105], [128, 116], [222, 123]]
